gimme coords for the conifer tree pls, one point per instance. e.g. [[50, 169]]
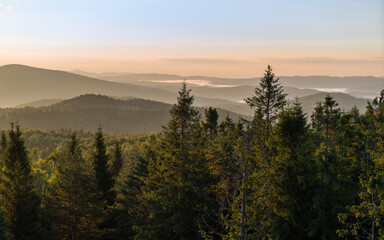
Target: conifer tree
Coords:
[[129, 211], [117, 163], [365, 219], [293, 182], [182, 175], [210, 125], [101, 167], [3, 142], [269, 97], [19, 201], [333, 166], [74, 199], [3, 146]]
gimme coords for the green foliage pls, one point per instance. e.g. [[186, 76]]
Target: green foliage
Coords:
[[103, 174], [4, 234], [74, 199], [19, 201], [117, 163], [275, 177], [293, 180], [210, 125], [365, 219], [181, 176], [129, 210], [87, 112], [269, 97]]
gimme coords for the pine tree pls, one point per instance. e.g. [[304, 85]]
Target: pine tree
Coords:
[[210, 125], [338, 161], [101, 167], [365, 219], [3, 142], [117, 163], [182, 175], [129, 211], [3, 147], [74, 199], [293, 182], [269, 97], [19, 202]]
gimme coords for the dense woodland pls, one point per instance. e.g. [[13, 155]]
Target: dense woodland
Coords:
[[277, 176], [88, 111]]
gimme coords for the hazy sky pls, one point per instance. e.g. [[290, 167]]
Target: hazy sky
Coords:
[[206, 37]]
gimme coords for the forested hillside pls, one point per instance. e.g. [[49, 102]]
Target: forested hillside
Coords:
[[87, 112], [276, 176]]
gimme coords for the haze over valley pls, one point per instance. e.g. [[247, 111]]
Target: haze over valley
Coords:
[[22, 86]]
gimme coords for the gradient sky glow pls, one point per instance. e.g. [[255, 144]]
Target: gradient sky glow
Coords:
[[235, 38]]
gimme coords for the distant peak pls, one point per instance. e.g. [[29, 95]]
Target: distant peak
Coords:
[[13, 65]]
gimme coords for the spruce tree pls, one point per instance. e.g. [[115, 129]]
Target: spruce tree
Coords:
[[74, 199], [181, 176], [19, 201], [101, 167], [3, 142], [365, 218], [334, 161], [129, 211], [293, 182], [269, 97], [117, 162], [3, 146], [210, 125]]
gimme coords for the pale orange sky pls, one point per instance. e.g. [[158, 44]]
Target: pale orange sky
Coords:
[[224, 39], [228, 62]]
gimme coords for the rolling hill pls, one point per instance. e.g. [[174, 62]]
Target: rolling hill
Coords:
[[86, 112], [20, 84], [39, 103], [345, 101], [296, 86]]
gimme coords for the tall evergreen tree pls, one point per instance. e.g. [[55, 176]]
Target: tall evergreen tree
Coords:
[[269, 97], [129, 210], [117, 161], [337, 162], [3, 142], [293, 182], [18, 198], [182, 175], [3, 146], [210, 125], [101, 167], [74, 198], [365, 219]]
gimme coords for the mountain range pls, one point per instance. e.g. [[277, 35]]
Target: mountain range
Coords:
[[357, 86], [22, 86]]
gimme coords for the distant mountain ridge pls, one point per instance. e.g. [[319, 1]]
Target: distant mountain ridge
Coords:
[[20, 84], [39, 103], [357, 86], [345, 101], [87, 111]]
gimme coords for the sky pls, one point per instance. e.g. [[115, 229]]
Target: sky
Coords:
[[227, 38]]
